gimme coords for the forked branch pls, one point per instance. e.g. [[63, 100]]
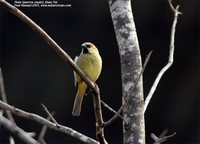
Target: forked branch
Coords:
[[17, 131], [49, 124], [117, 114], [3, 96], [162, 137], [170, 58]]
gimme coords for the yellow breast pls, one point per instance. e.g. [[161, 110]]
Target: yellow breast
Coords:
[[90, 64]]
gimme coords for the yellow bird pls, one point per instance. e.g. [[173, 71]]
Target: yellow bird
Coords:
[[90, 63]]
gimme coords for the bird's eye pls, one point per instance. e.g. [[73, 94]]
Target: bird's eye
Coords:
[[88, 45]]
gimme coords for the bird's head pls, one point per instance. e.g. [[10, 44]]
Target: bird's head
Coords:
[[89, 48]]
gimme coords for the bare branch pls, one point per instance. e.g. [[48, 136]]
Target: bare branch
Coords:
[[11, 140], [32, 134], [162, 138], [112, 110], [4, 98], [172, 7], [99, 119], [16, 130], [129, 96], [49, 114], [61, 53], [49, 41], [51, 125], [170, 59], [43, 131], [42, 134]]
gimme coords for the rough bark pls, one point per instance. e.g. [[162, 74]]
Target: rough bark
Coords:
[[131, 66]]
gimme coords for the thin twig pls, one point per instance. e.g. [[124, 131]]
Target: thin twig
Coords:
[[163, 133], [124, 105], [32, 134], [17, 131], [49, 124], [11, 140], [4, 98], [43, 131], [49, 114], [159, 140], [172, 7], [155, 138], [112, 110], [170, 59]]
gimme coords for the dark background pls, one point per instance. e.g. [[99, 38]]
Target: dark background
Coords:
[[35, 74]]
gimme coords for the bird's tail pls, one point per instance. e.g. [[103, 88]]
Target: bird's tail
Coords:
[[79, 98]]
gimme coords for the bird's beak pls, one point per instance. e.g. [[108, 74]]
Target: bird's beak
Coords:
[[83, 46]]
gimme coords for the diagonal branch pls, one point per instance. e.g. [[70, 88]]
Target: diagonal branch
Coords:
[[59, 51], [51, 125], [162, 138], [170, 59], [43, 131], [17, 131], [49, 114], [48, 40], [117, 114], [4, 98], [111, 109]]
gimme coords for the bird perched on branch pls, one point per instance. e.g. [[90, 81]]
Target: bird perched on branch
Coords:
[[89, 61]]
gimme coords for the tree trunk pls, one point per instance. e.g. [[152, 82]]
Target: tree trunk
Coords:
[[131, 66]]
